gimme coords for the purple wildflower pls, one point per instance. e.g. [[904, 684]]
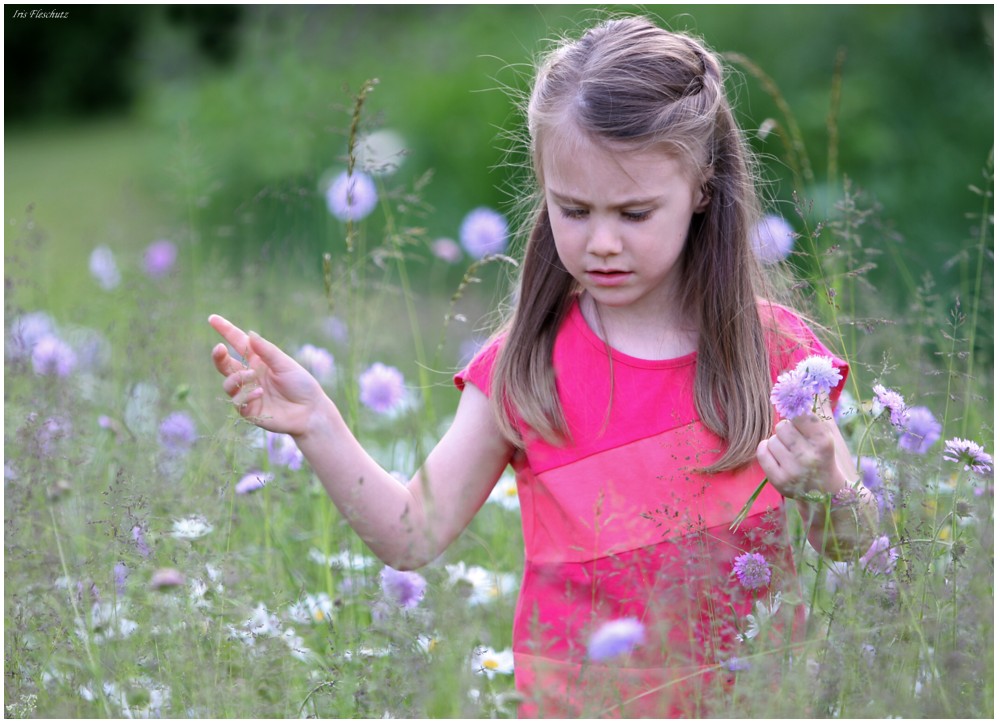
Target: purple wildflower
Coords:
[[166, 579], [893, 401], [335, 329], [25, 332], [790, 396], [871, 477], [160, 258], [736, 664], [253, 481], [880, 557], [121, 575], [920, 430], [50, 432], [968, 454], [52, 356], [317, 361], [352, 197], [752, 570], [178, 432], [382, 388], [772, 239], [447, 250], [282, 451], [616, 638], [483, 232], [139, 538], [404, 588], [104, 269], [819, 374]]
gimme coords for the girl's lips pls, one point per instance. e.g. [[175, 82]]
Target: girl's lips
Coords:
[[608, 277]]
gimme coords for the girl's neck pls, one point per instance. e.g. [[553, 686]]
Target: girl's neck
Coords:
[[664, 335]]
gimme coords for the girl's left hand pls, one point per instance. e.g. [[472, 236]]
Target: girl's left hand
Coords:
[[801, 457]]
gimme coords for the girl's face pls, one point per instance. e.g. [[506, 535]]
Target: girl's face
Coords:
[[620, 221]]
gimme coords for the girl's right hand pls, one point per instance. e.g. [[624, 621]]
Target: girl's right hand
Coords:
[[268, 387]]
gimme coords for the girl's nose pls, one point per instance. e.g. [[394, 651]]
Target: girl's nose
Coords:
[[603, 240]]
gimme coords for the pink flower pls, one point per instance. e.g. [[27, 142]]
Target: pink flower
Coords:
[[483, 232], [352, 197], [446, 250], [160, 258], [772, 239], [166, 579], [382, 388]]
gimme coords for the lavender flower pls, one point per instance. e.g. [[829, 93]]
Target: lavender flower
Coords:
[[772, 239], [139, 539], [160, 258], [880, 557], [104, 269], [253, 481], [752, 570], [382, 388], [335, 329], [483, 232], [968, 454], [52, 356], [819, 374], [616, 638], [178, 432], [317, 361], [404, 588], [121, 576], [893, 401], [790, 396], [352, 197], [282, 451], [920, 430], [872, 480]]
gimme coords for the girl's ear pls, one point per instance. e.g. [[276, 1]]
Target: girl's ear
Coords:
[[705, 197]]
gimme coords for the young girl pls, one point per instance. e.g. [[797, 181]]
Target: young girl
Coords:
[[629, 390]]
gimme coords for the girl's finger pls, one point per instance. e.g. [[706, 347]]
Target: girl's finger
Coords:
[[230, 333], [224, 362], [238, 380]]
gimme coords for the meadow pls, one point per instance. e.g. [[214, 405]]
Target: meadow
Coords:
[[164, 558]]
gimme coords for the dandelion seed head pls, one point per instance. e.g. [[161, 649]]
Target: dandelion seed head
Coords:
[[382, 388], [616, 638], [772, 239], [752, 570], [352, 197], [483, 232]]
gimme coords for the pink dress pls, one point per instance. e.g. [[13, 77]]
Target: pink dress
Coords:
[[620, 525]]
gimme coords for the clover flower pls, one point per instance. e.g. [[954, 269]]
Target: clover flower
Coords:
[[352, 197], [752, 570], [382, 388], [616, 638], [159, 258], [282, 451], [483, 232], [104, 269], [489, 662], [404, 588], [968, 454], [772, 239], [178, 432], [317, 361], [253, 481], [52, 356], [892, 401], [920, 430]]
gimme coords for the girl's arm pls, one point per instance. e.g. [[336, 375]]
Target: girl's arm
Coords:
[[406, 526], [809, 454]]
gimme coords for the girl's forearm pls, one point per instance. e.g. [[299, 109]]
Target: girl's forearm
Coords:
[[381, 510]]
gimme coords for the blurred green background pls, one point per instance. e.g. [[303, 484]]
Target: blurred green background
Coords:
[[213, 125]]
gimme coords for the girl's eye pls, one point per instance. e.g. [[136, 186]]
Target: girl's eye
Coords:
[[636, 216], [574, 213]]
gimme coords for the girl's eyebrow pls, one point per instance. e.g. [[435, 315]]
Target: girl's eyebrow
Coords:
[[566, 199]]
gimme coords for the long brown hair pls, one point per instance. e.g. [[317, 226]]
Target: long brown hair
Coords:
[[628, 83]]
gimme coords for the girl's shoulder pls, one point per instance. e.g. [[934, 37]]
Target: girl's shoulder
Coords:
[[479, 369]]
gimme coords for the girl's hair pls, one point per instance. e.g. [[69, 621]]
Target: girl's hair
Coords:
[[629, 84]]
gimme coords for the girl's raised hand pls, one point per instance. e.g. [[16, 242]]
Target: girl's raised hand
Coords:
[[802, 457], [268, 387]]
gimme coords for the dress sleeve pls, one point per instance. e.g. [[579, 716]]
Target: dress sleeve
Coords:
[[479, 371], [792, 340]]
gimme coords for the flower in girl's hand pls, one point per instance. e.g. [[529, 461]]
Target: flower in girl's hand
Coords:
[[616, 638], [796, 390], [968, 454], [752, 570]]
